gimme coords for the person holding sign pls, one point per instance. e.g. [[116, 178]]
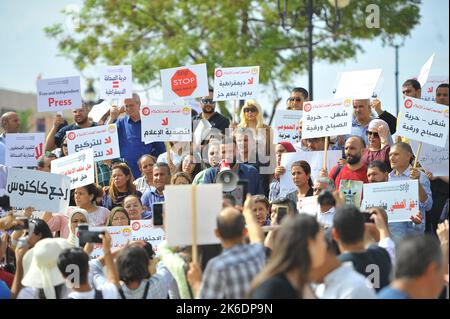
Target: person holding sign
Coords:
[[378, 147], [301, 176], [401, 156], [216, 120], [129, 131], [274, 187]]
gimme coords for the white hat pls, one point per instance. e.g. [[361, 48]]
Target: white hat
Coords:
[[43, 271]]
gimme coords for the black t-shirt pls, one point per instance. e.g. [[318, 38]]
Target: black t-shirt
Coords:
[[217, 121], [276, 287], [375, 259]]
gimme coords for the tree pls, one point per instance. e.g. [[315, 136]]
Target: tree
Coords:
[[152, 35], [25, 117]]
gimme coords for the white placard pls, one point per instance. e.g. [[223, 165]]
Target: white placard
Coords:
[[314, 159], [99, 110], [285, 124], [178, 218], [59, 94], [400, 199], [239, 83], [120, 237], [166, 122], [327, 118], [423, 121], [308, 205], [433, 158], [116, 82], [78, 166], [23, 149], [144, 230], [102, 139], [184, 82], [357, 84], [429, 89], [424, 71], [41, 190]]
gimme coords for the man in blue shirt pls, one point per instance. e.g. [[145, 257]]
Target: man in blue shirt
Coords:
[[419, 270], [244, 171], [129, 131], [155, 194]]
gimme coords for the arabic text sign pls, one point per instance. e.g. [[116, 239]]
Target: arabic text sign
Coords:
[[285, 123], [166, 122], [424, 121], [357, 84], [433, 158], [400, 199], [425, 70], [429, 89], [116, 82], [240, 83], [99, 110], [178, 221], [23, 149], [58, 94], [120, 236], [144, 230], [315, 160], [41, 190], [102, 139], [188, 81], [327, 118], [78, 166]]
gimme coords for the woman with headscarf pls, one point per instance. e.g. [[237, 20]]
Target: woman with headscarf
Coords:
[[76, 216], [274, 188], [378, 147]]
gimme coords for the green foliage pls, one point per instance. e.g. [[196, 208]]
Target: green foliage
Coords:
[[25, 117], [152, 35]]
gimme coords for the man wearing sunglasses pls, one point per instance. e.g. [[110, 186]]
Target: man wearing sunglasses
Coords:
[[209, 113], [298, 96]]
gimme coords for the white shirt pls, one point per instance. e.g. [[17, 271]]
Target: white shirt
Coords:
[[326, 218], [345, 283], [176, 159], [109, 291]]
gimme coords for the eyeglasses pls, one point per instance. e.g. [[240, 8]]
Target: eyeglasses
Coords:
[[374, 134], [296, 99], [208, 101], [251, 109]]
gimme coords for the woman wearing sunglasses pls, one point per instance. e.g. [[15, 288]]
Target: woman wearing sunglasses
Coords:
[[378, 146]]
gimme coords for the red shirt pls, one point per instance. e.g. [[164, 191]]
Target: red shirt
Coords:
[[7, 277], [347, 174]]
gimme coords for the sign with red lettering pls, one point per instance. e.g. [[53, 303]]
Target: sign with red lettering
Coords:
[[58, 94], [184, 82]]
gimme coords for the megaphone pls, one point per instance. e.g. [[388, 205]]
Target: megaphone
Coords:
[[227, 177]]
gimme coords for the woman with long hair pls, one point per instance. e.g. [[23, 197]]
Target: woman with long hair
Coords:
[[85, 198], [299, 247], [191, 165], [120, 186]]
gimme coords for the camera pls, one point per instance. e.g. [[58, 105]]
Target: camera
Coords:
[[88, 236], [366, 216], [281, 212], [158, 209]]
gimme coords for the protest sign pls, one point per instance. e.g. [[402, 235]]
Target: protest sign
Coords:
[[315, 160], [178, 221], [144, 230], [58, 94], [166, 122], [429, 88], [41, 190], [327, 118], [201, 131], [433, 158], [120, 236], [23, 149], [424, 71], [185, 82], [357, 84], [308, 205], [352, 191], [99, 110], [400, 199], [116, 82], [102, 139], [78, 166], [285, 124], [423, 121], [239, 83]]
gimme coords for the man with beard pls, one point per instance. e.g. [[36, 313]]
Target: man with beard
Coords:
[[81, 120], [216, 120], [354, 169]]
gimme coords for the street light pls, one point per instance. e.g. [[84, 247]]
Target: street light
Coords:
[[89, 93], [338, 4]]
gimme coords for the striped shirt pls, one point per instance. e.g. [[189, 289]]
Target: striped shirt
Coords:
[[228, 276], [141, 184]]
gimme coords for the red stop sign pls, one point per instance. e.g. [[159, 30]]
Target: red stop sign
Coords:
[[183, 82]]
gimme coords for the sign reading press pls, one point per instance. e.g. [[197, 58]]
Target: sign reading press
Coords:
[[58, 94]]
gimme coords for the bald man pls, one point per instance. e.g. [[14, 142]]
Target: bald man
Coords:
[[10, 124], [228, 276]]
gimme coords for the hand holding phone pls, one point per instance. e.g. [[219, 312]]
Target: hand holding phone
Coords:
[[281, 212], [158, 209]]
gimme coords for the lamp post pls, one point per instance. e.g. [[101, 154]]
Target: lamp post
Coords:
[[338, 4], [89, 93]]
